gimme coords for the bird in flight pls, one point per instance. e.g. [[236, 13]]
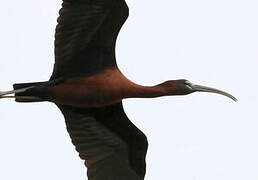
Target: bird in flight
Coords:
[[88, 88]]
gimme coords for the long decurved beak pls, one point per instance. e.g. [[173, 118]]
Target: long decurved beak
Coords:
[[199, 88]]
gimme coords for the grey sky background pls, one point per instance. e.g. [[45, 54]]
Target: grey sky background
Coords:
[[195, 137]]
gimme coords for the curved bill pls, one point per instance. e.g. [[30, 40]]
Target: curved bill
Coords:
[[211, 90]]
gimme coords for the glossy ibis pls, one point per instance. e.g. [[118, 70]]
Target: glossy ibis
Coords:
[[88, 87]]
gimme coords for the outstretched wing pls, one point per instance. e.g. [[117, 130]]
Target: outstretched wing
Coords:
[[108, 141], [79, 20]]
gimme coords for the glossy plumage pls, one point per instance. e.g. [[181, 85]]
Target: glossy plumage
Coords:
[[88, 88], [86, 85], [86, 35], [84, 46]]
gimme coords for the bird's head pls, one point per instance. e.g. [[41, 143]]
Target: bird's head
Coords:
[[184, 87]]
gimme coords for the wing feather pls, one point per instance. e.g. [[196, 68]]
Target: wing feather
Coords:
[[77, 24], [115, 118], [99, 132], [99, 146]]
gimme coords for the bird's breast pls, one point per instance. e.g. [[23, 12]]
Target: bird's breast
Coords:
[[94, 91]]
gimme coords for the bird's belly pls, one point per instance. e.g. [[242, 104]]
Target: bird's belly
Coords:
[[84, 96]]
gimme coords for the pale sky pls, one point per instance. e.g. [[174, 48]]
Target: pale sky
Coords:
[[195, 137]]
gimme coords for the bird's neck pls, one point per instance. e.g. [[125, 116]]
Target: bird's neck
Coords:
[[138, 91]]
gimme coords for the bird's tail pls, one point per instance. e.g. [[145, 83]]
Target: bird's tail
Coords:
[[26, 92], [31, 92]]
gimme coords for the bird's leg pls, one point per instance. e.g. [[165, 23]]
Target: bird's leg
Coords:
[[4, 93], [22, 87], [24, 98]]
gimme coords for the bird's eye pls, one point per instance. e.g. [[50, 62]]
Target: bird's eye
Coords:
[[188, 84]]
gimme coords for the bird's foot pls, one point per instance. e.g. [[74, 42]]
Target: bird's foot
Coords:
[[3, 94]]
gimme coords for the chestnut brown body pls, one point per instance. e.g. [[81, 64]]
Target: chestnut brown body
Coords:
[[103, 89]]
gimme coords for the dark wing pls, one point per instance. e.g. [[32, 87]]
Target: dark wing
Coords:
[[77, 24], [109, 142]]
